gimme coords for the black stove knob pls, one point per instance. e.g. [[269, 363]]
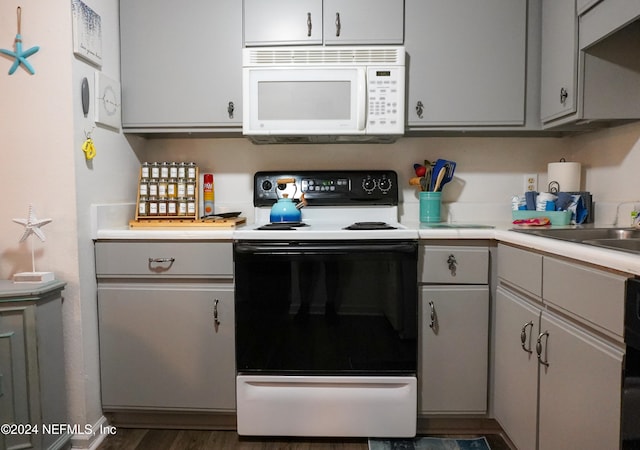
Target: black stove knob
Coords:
[[368, 184], [267, 185], [384, 184]]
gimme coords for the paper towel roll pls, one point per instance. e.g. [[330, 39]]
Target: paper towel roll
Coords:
[[566, 174]]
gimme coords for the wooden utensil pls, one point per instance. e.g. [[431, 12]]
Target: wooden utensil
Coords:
[[439, 178]]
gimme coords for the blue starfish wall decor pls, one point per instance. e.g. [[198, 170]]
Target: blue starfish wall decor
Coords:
[[20, 55]]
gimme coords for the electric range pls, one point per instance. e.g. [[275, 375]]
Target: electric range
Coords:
[[325, 315]]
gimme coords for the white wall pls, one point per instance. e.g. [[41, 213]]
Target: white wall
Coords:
[[489, 170], [610, 161]]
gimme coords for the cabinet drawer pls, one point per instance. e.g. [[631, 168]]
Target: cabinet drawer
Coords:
[[593, 295], [164, 259], [521, 268], [454, 264]]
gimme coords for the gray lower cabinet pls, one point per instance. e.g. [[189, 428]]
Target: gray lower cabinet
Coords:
[[467, 63], [167, 347], [181, 65], [453, 330], [166, 326], [557, 375], [32, 383]]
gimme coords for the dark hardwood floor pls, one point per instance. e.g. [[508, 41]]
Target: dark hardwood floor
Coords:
[[153, 439]]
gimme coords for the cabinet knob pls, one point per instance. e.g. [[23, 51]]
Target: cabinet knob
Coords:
[[419, 109], [564, 94], [544, 362], [338, 26], [230, 108], [308, 24], [453, 264], [523, 337]]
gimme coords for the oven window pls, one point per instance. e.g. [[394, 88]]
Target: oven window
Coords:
[[327, 309]]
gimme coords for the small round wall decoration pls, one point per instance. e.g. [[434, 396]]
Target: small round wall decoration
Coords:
[[20, 55]]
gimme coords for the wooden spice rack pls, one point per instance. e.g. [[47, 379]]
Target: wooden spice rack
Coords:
[[183, 222], [164, 218]]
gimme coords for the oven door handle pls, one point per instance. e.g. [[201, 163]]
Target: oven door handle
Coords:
[[295, 248]]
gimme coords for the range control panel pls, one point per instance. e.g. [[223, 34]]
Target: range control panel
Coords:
[[352, 187]]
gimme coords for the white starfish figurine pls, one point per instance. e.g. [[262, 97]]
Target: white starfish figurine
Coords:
[[32, 225]]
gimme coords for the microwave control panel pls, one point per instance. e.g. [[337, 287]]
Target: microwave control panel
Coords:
[[330, 187], [385, 100]]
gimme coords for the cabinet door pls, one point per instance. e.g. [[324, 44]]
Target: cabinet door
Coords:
[[454, 349], [467, 62], [282, 22], [516, 369], [161, 348], [181, 65], [363, 22], [559, 59], [580, 390], [19, 393]]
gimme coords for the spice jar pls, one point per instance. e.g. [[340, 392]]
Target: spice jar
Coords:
[[143, 207], [191, 171], [155, 170], [144, 172], [164, 170], [163, 184]]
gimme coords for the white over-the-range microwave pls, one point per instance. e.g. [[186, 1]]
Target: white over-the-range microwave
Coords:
[[323, 94]]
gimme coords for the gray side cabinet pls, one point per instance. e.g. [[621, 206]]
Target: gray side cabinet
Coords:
[[467, 62], [32, 383], [181, 65], [166, 326]]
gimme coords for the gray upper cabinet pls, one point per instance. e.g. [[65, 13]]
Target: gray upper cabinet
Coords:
[[590, 75], [332, 22], [559, 59], [363, 22], [181, 66], [285, 22], [467, 62]]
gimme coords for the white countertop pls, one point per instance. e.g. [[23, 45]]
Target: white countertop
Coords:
[[111, 222], [613, 259]]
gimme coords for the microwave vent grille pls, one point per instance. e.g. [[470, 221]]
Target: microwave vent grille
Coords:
[[301, 56]]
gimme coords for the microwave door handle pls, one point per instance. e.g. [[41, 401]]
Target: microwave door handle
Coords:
[[362, 99]]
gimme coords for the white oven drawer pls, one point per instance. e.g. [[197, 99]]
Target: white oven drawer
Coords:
[[326, 406]]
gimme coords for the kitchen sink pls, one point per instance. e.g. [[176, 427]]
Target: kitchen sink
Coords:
[[624, 239]]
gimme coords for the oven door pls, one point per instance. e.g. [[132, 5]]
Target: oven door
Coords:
[[326, 308], [326, 331]]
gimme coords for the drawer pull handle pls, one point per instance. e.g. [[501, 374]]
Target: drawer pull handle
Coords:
[[338, 25], [544, 362], [432, 315], [216, 322], [523, 337], [308, 24], [453, 264], [161, 260]]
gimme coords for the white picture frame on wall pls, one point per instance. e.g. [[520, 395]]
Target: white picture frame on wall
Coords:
[[87, 33], [107, 101]]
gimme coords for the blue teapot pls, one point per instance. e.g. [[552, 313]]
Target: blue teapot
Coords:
[[285, 210]]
